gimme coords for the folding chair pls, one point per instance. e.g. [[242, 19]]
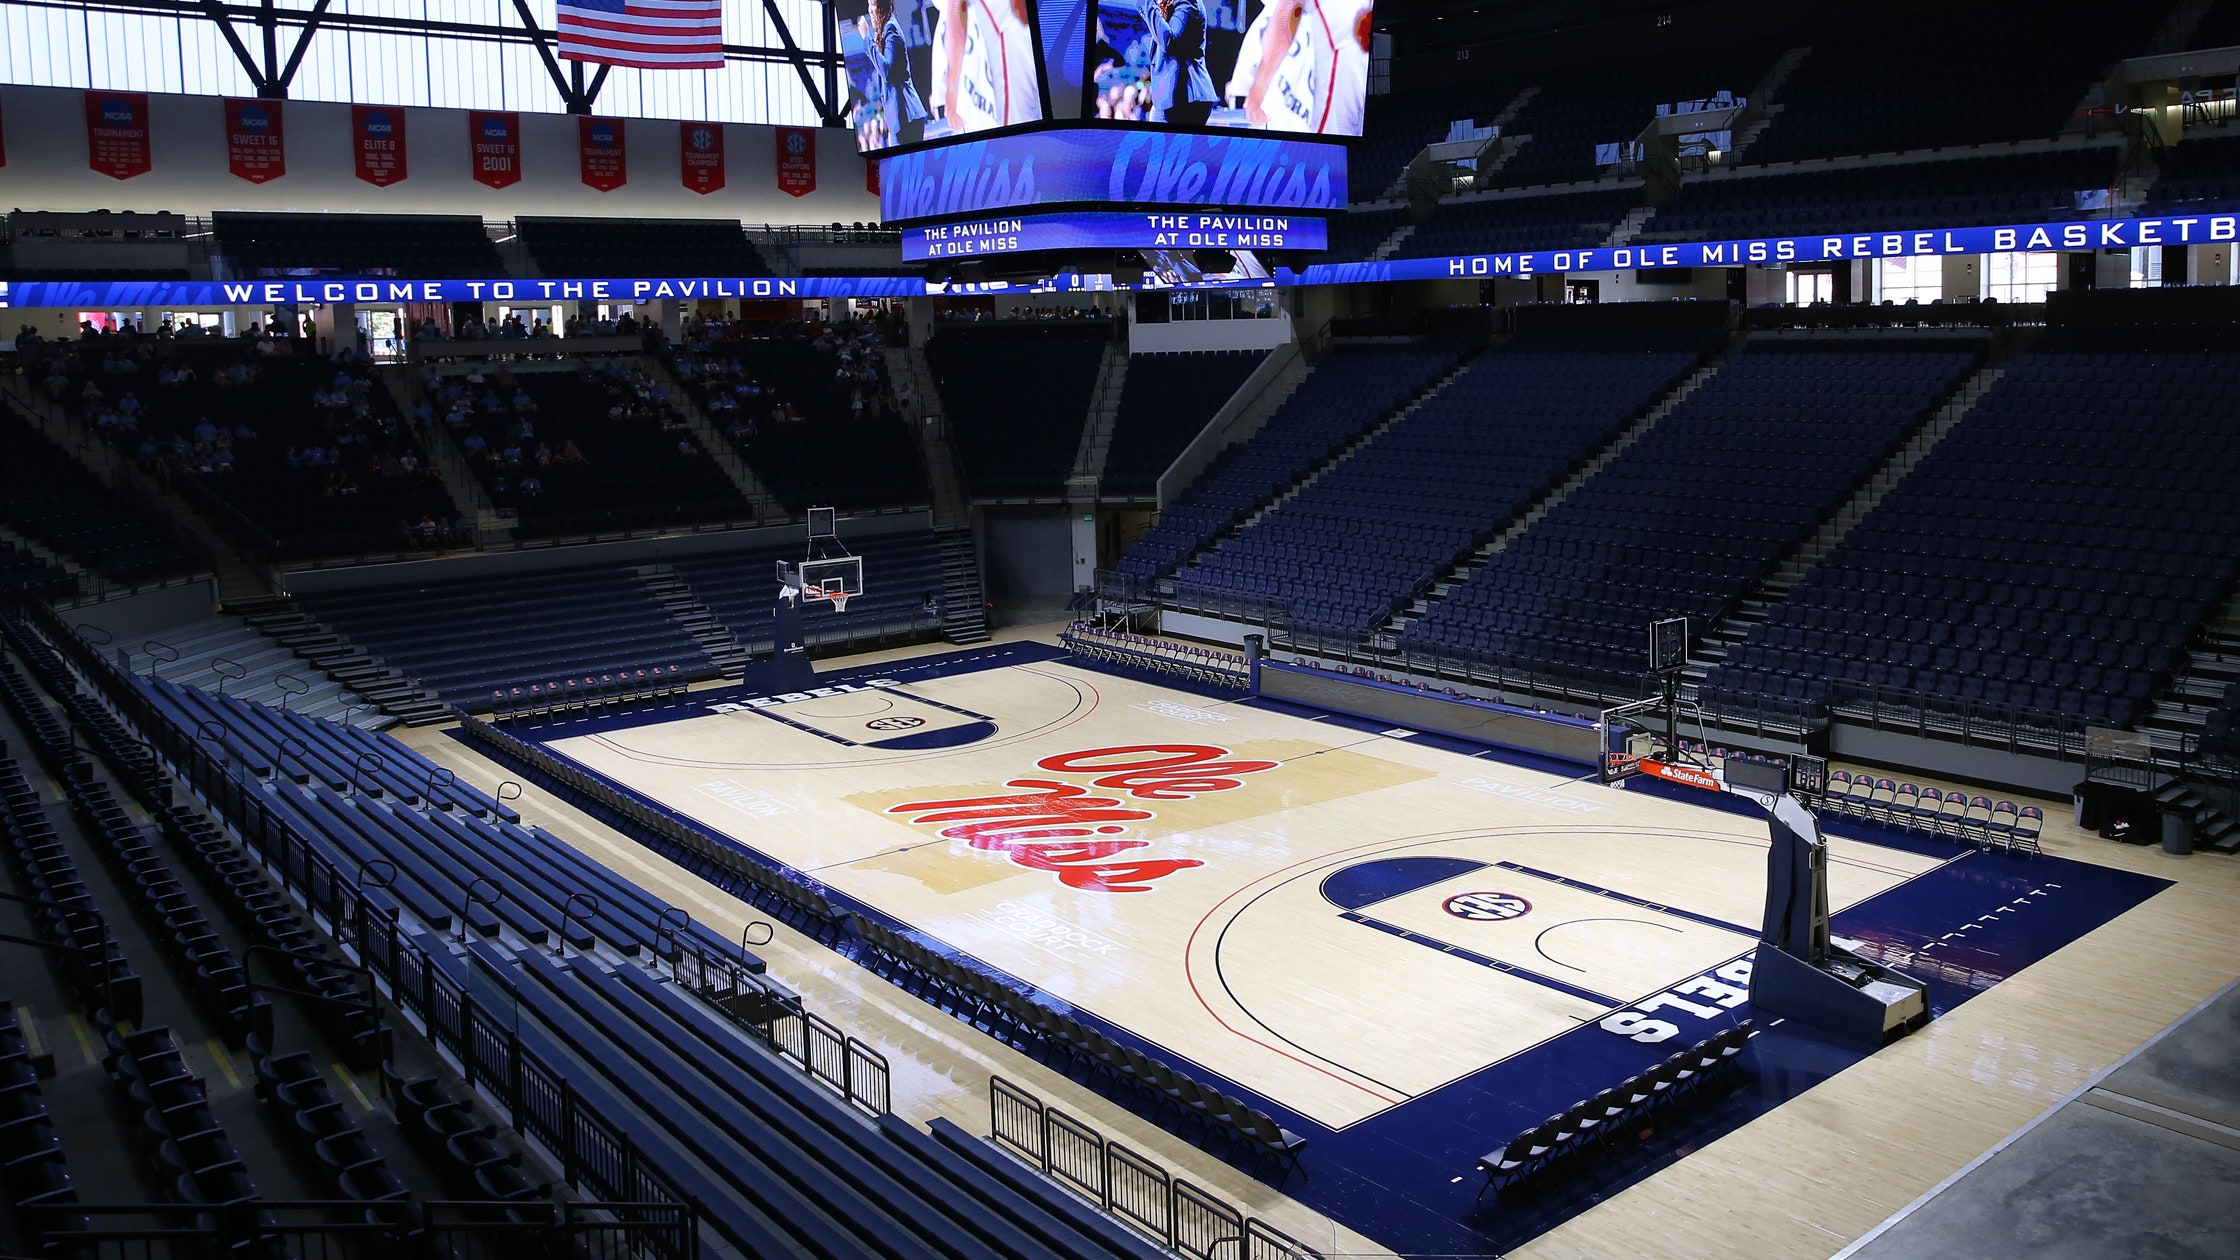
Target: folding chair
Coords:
[[2028, 825], [2001, 827]]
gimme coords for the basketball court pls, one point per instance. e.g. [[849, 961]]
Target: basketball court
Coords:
[[1407, 947]]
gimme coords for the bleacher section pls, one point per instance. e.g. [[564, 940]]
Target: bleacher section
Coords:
[[437, 246], [1015, 396], [594, 451], [2010, 70], [1353, 388], [469, 637], [296, 455], [2199, 175], [1378, 527], [2052, 554], [1398, 127], [2024, 188], [783, 1161], [1612, 103], [1165, 401], [21, 568], [51, 498], [783, 393], [639, 247], [222, 654], [1569, 221], [1683, 520], [1356, 234]]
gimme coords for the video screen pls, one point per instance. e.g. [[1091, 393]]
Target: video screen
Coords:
[[921, 70], [1064, 28], [1179, 269], [1207, 63]]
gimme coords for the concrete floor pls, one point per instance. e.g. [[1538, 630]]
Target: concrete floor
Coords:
[[2144, 1161]]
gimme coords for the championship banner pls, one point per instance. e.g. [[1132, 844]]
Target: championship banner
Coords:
[[256, 142], [601, 153], [797, 161], [701, 149], [117, 133], [377, 143], [496, 137], [871, 176]]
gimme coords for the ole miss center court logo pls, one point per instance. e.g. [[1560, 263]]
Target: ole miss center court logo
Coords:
[[1061, 827]]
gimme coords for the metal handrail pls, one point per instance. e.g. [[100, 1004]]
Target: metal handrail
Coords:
[[220, 664]]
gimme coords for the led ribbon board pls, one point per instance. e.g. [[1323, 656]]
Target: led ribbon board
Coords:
[[88, 295], [1197, 229], [1091, 166], [386, 290], [2200, 229]]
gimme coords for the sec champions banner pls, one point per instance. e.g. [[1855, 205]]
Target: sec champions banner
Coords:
[[700, 146], [496, 139], [797, 161], [256, 144], [377, 143], [117, 133], [604, 155]]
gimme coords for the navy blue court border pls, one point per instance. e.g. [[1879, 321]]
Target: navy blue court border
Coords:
[[1407, 1177]]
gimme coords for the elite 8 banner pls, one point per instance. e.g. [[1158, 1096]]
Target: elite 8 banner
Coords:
[[377, 143]]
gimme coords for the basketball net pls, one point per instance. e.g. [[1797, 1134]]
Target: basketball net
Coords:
[[835, 595]]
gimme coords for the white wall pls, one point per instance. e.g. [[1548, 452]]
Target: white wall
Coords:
[[47, 169], [1208, 334], [1626, 286]]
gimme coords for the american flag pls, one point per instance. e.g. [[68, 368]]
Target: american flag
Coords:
[[654, 34]]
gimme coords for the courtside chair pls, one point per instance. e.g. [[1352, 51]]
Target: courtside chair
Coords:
[[1952, 817], [1905, 806], [1928, 809], [2001, 828], [2028, 825], [1882, 800], [1979, 817]]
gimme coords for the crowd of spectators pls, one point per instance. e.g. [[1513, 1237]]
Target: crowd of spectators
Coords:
[[722, 363], [273, 433]]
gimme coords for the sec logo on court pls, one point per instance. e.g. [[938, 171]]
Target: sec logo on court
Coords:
[[1487, 907], [896, 723]]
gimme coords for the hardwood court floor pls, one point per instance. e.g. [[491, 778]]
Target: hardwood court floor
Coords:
[[1802, 1181]]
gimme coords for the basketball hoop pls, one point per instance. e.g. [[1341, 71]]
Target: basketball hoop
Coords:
[[828, 574]]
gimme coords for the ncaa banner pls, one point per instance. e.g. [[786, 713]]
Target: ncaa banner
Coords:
[[797, 161], [256, 145], [377, 143], [600, 150], [495, 136], [117, 133], [700, 146]]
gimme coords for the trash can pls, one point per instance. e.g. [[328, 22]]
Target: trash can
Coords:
[[2177, 831]]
